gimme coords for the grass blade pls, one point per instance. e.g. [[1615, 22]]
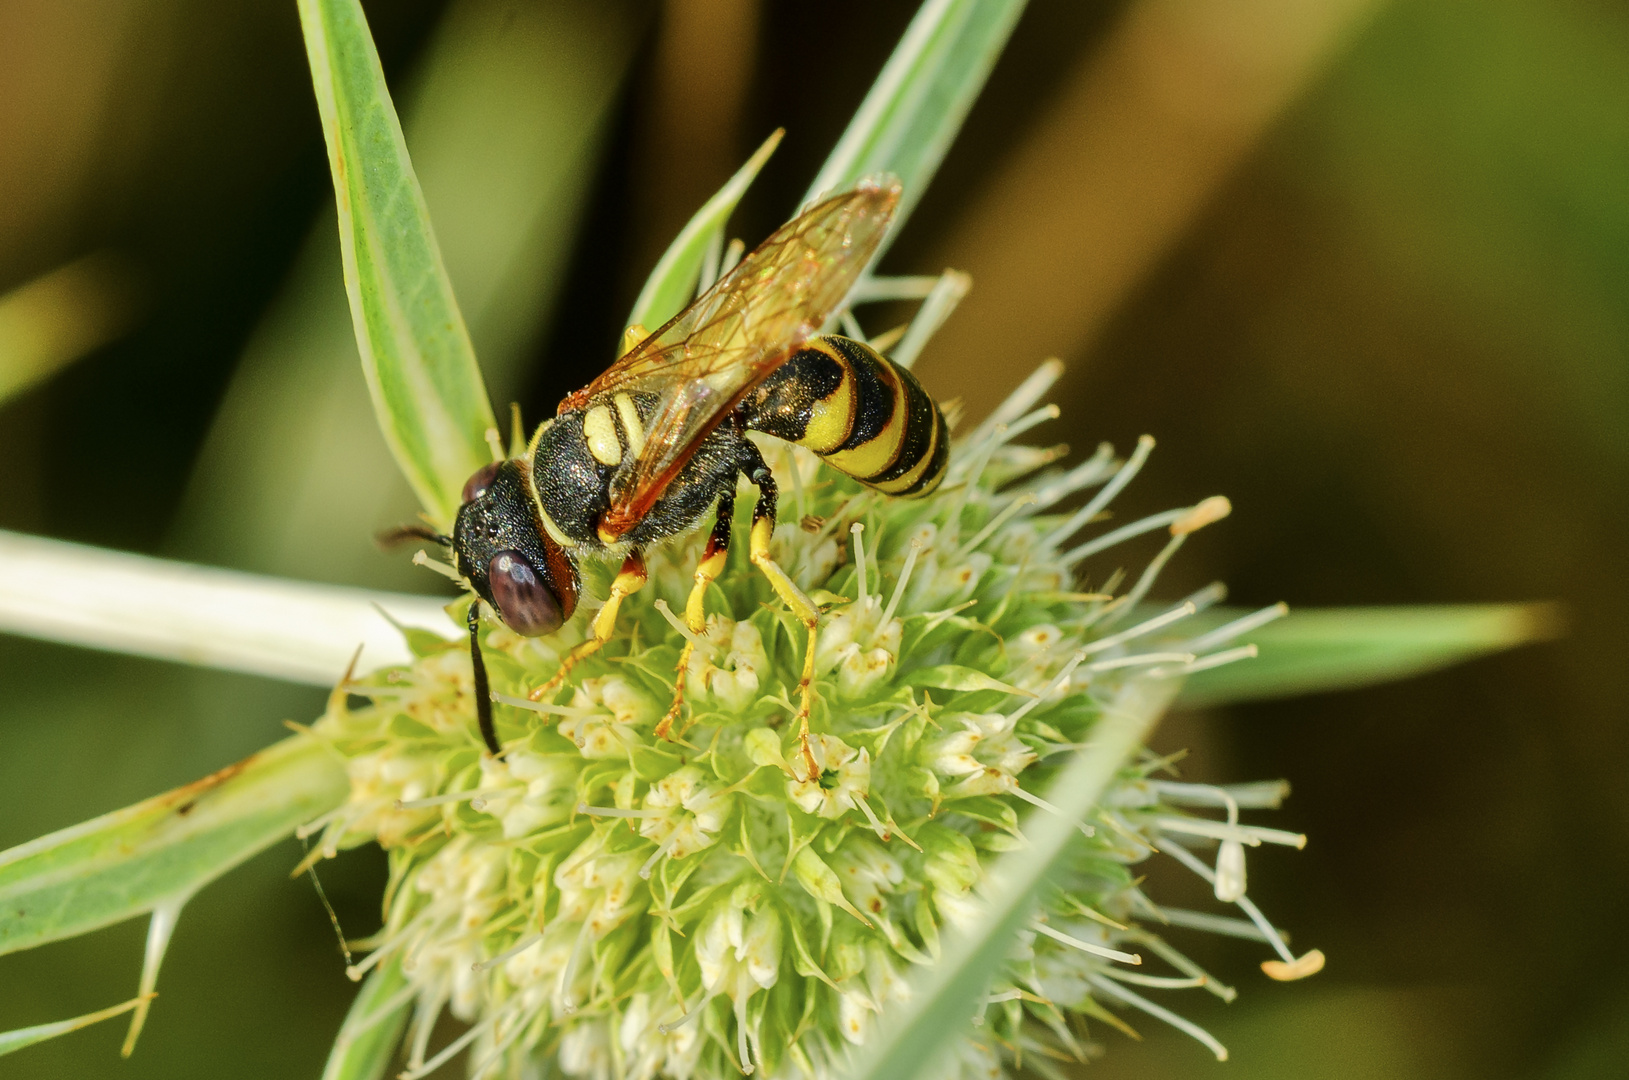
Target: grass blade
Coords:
[[915, 108], [913, 1039], [1338, 648], [293, 630], [372, 1029], [135, 860], [673, 282], [427, 390]]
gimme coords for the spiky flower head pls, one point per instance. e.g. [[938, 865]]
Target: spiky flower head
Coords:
[[708, 905]]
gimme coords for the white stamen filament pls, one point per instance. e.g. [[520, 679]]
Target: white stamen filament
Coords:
[[514, 950], [1120, 535], [663, 849], [451, 1050], [1253, 835], [1268, 931], [857, 530], [1036, 801], [1108, 986], [423, 558], [541, 706], [450, 797], [904, 576], [568, 974], [1205, 663], [1211, 594], [1140, 659], [494, 443], [1175, 958], [1094, 470], [678, 624], [941, 300], [514, 1032], [704, 281], [994, 524], [1228, 631], [1163, 982], [667, 1029], [1214, 924], [1181, 611], [619, 812], [1146, 581], [1058, 680], [732, 255], [1086, 946], [1264, 795], [424, 1019], [1021, 399], [1116, 484], [909, 287], [1029, 420], [851, 326], [741, 1035], [316, 825]]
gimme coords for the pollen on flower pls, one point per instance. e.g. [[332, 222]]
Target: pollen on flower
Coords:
[[733, 900]]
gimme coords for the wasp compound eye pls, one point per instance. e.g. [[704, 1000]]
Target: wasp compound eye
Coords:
[[477, 484], [526, 605]]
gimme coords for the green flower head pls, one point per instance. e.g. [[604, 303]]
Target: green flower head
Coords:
[[719, 902]]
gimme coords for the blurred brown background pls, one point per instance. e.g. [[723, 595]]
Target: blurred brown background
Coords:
[[1362, 266]]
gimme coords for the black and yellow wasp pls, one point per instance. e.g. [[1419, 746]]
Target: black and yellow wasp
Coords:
[[646, 450]]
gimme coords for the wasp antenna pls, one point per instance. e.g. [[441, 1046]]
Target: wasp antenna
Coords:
[[387, 538], [483, 693]]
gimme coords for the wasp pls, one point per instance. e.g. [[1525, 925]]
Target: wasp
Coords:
[[645, 451]]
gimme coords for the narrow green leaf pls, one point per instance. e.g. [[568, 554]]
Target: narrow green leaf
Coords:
[[1336, 648], [672, 283], [373, 1027], [295, 630], [915, 108], [416, 353], [13, 1041], [913, 1039], [134, 860]]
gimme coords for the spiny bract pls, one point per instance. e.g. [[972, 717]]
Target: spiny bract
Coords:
[[705, 907]]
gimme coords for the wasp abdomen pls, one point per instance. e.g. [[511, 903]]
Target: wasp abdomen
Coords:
[[863, 413]]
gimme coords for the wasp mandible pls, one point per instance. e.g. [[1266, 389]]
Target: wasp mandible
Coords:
[[643, 452]]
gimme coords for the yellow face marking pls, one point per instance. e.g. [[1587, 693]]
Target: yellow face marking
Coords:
[[600, 432], [630, 423]]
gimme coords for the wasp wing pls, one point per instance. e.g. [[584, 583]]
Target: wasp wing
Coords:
[[701, 364]]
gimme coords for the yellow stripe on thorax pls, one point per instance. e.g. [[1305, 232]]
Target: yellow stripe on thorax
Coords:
[[630, 422], [600, 432]]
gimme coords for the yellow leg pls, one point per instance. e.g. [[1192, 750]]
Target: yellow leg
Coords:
[[763, 531], [629, 580], [695, 612]]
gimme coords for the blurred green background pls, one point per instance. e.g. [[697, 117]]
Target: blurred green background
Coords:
[[1362, 266]]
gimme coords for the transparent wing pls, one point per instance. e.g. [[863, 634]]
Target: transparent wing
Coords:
[[707, 357]]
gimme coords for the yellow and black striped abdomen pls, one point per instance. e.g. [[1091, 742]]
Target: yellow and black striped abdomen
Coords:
[[861, 412]]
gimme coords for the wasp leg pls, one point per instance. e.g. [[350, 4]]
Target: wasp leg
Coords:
[[483, 693], [763, 531], [713, 558], [629, 580]]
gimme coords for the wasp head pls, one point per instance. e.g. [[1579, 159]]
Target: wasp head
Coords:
[[512, 564]]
